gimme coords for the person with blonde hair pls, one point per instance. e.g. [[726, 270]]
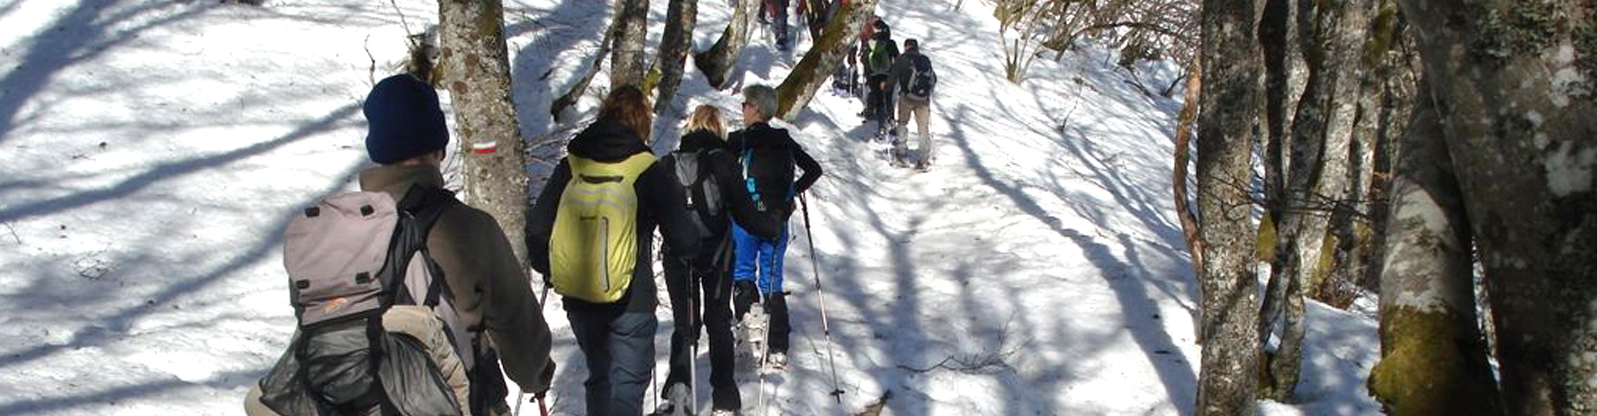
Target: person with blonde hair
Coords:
[[591, 236], [709, 177]]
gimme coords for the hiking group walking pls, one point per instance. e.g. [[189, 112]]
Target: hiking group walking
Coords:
[[409, 302], [406, 297]]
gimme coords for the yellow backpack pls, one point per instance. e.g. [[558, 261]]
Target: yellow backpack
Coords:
[[594, 247]]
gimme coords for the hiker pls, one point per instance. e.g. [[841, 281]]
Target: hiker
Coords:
[[912, 73], [815, 14], [859, 54], [591, 235], [715, 190], [776, 10], [492, 302], [879, 63], [768, 156]]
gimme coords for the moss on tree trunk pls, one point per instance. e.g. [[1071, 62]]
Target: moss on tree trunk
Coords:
[[822, 59], [1431, 366]]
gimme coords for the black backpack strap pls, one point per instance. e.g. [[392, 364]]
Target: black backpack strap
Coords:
[[425, 205]]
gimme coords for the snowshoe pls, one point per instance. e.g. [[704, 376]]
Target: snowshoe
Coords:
[[751, 335], [676, 403], [777, 361]]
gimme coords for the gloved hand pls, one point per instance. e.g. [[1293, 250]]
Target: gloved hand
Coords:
[[539, 388]]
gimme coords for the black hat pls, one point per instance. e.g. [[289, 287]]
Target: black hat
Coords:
[[404, 118]]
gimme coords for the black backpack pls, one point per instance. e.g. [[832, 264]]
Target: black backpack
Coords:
[[922, 79], [702, 190]]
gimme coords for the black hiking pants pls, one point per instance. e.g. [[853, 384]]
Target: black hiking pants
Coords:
[[881, 98], [715, 302]]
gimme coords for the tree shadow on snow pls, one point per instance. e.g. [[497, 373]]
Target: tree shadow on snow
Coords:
[[116, 326], [169, 170], [82, 34], [1167, 360], [37, 297]]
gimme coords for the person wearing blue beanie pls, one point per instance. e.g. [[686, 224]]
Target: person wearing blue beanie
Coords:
[[405, 120], [407, 138]]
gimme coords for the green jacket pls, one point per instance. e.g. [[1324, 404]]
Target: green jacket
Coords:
[[491, 288]]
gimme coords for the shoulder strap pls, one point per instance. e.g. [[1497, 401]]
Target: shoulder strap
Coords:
[[424, 206], [748, 181], [427, 204]]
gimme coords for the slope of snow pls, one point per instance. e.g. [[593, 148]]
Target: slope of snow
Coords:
[[153, 151]]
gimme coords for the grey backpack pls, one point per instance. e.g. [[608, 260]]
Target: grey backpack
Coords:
[[349, 259]]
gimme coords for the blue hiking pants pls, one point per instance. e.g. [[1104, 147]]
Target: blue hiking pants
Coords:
[[755, 255]]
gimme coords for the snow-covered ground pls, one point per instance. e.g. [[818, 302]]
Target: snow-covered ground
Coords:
[[152, 151]]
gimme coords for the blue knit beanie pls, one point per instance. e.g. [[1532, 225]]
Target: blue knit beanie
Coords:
[[404, 118]]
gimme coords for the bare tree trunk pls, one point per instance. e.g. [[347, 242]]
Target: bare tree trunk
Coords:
[[1277, 38], [717, 63], [675, 44], [1321, 136], [1356, 232], [632, 26], [1178, 180], [1230, 105], [478, 77], [569, 99], [1514, 84], [822, 59], [1432, 358], [1396, 107]]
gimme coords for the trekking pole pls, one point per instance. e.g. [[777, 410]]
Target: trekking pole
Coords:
[[542, 299], [759, 402], [693, 355], [815, 271]]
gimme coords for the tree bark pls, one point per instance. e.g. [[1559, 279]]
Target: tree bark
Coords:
[[1432, 358], [821, 61], [477, 73], [717, 63], [1396, 107], [626, 59], [1321, 134], [1178, 180], [1230, 105], [1514, 84], [1356, 232], [675, 44], [1278, 39]]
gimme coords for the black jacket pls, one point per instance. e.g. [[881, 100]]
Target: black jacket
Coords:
[[724, 167], [660, 202], [768, 156]]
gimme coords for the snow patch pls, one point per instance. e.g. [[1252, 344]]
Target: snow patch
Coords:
[[1569, 169], [1567, 82]]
